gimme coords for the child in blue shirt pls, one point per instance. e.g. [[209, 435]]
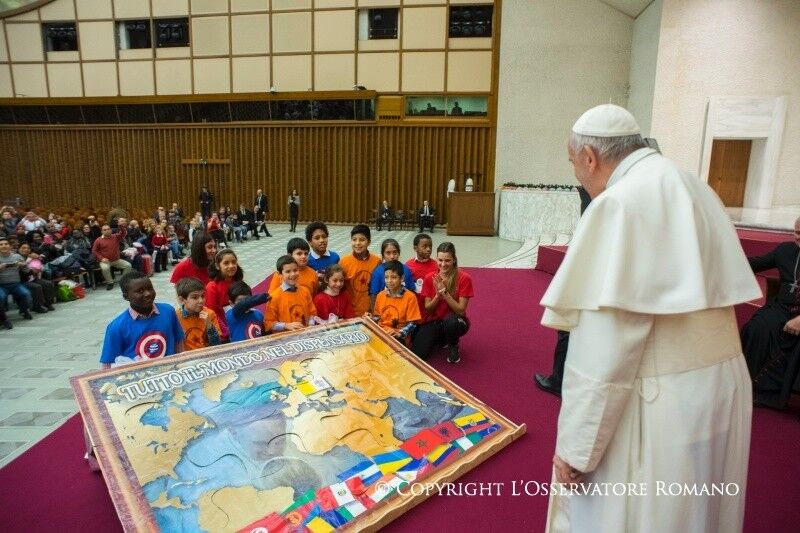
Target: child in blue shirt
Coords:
[[146, 330], [390, 251], [320, 257], [244, 322]]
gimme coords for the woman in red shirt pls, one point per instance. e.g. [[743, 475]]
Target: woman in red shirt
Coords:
[[447, 293], [223, 272], [204, 248]]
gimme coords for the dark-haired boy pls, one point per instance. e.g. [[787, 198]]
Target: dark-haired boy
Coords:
[[396, 307], [290, 306], [244, 322], [298, 249], [200, 324], [146, 330], [358, 268], [320, 257]]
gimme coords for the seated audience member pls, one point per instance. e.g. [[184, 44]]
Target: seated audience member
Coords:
[[332, 302], [77, 241], [199, 323], [174, 243], [91, 233], [396, 307], [320, 257], [244, 322], [160, 246], [214, 228], [106, 251], [203, 251], [385, 216], [223, 272], [425, 214], [43, 291], [358, 268], [196, 224], [234, 227], [248, 220], [10, 220], [146, 330], [10, 279], [771, 338], [135, 234], [178, 212], [43, 245], [447, 295], [115, 215], [290, 306], [298, 249], [32, 222]]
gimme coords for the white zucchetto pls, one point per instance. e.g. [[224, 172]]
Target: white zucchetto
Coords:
[[607, 120]]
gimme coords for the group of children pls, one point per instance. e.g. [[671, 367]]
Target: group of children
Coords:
[[422, 302]]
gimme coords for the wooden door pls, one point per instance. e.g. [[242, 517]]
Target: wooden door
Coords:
[[727, 174]]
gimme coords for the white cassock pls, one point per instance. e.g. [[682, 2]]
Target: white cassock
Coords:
[[656, 391]]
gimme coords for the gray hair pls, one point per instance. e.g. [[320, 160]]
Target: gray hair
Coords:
[[607, 148]]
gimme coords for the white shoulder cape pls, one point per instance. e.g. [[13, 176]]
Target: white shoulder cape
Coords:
[[656, 241]]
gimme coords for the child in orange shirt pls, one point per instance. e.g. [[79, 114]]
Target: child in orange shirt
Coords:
[[358, 269], [396, 307], [290, 306], [199, 323], [307, 277]]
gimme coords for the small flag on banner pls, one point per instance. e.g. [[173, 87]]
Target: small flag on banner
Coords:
[[473, 418], [382, 489], [318, 525], [477, 427], [444, 454], [304, 498], [367, 471], [335, 517], [488, 431], [313, 385], [391, 461], [339, 494], [422, 443], [298, 515], [448, 431], [352, 510], [273, 523]]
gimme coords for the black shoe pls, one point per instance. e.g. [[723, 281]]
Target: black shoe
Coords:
[[8, 325], [259, 238], [51, 308], [109, 286], [40, 310], [270, 234], [547, 384], [452, 354], [27, 315]]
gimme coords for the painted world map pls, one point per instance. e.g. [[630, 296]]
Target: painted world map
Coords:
[[306, 441]]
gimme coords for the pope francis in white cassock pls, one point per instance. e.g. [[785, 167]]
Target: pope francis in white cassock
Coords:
[[656, 392]]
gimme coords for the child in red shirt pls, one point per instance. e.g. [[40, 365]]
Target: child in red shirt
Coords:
[[223, 272], [422, 266], [160, 243], [333, 304]]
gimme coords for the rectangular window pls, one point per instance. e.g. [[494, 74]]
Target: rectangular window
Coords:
[[382, 23], [60, 37], [471, 21], [133, 34], [172, 32]]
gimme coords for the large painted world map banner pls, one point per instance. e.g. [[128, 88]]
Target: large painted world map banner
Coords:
[[317, 430]]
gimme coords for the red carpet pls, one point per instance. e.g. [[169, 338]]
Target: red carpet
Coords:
[[50, 487]]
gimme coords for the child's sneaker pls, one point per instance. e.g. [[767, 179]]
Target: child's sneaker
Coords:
[[452, 354]]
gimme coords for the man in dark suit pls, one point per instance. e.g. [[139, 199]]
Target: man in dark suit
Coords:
[[426, 216], [552, 383], [385, 215], [261, 208], [248, 220]]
